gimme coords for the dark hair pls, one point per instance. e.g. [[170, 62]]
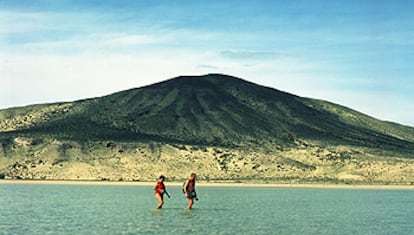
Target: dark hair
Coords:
[[162, 177]]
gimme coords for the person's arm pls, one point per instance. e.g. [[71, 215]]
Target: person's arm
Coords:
[[168, 195], [195, 193]]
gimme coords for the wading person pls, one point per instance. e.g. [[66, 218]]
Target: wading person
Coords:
[[160, 189], [189, 190]]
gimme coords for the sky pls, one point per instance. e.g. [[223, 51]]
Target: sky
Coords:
[[355, 53]]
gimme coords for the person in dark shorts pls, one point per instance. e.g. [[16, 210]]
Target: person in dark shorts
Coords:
[[189, 190]]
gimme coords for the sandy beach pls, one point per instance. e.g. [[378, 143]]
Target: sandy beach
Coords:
[[211, 184]]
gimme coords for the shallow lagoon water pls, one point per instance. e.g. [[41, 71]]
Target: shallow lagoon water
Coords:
[[96, 209]]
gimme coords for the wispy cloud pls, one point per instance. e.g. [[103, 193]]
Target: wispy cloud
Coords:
[[207, 67], [134, 39], [253, 55]]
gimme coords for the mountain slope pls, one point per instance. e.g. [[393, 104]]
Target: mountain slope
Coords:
[[220, 110], [213, 111]]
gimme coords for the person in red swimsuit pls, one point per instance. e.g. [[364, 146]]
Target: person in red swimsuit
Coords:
[[160, 189]]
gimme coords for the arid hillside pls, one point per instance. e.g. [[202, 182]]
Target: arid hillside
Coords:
[[225, 128]]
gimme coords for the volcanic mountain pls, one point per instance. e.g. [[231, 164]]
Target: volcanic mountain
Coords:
[[214, 116]]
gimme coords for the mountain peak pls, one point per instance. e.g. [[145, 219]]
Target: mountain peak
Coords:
[[208, 76], [202, 80]]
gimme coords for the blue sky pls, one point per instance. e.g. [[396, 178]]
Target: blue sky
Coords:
[[355, 53]]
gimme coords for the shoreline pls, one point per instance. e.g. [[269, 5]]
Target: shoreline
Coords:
[[211, 184]]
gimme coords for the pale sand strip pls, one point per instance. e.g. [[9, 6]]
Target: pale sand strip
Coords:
[[210, 184]]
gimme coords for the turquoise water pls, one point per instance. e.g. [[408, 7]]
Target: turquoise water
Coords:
[[85, 209]]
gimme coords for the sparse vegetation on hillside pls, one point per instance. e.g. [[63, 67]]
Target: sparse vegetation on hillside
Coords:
[[221, 125]]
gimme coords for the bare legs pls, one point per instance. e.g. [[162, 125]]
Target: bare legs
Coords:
[[160, 200], [190, 203]]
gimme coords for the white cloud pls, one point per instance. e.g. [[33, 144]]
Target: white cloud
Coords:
[[252, 55], [22, 22], [134, 39]]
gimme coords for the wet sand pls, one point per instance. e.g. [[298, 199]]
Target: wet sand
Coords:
[[211, 184]]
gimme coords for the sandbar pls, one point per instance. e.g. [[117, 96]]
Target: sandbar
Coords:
[[214, 184]]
